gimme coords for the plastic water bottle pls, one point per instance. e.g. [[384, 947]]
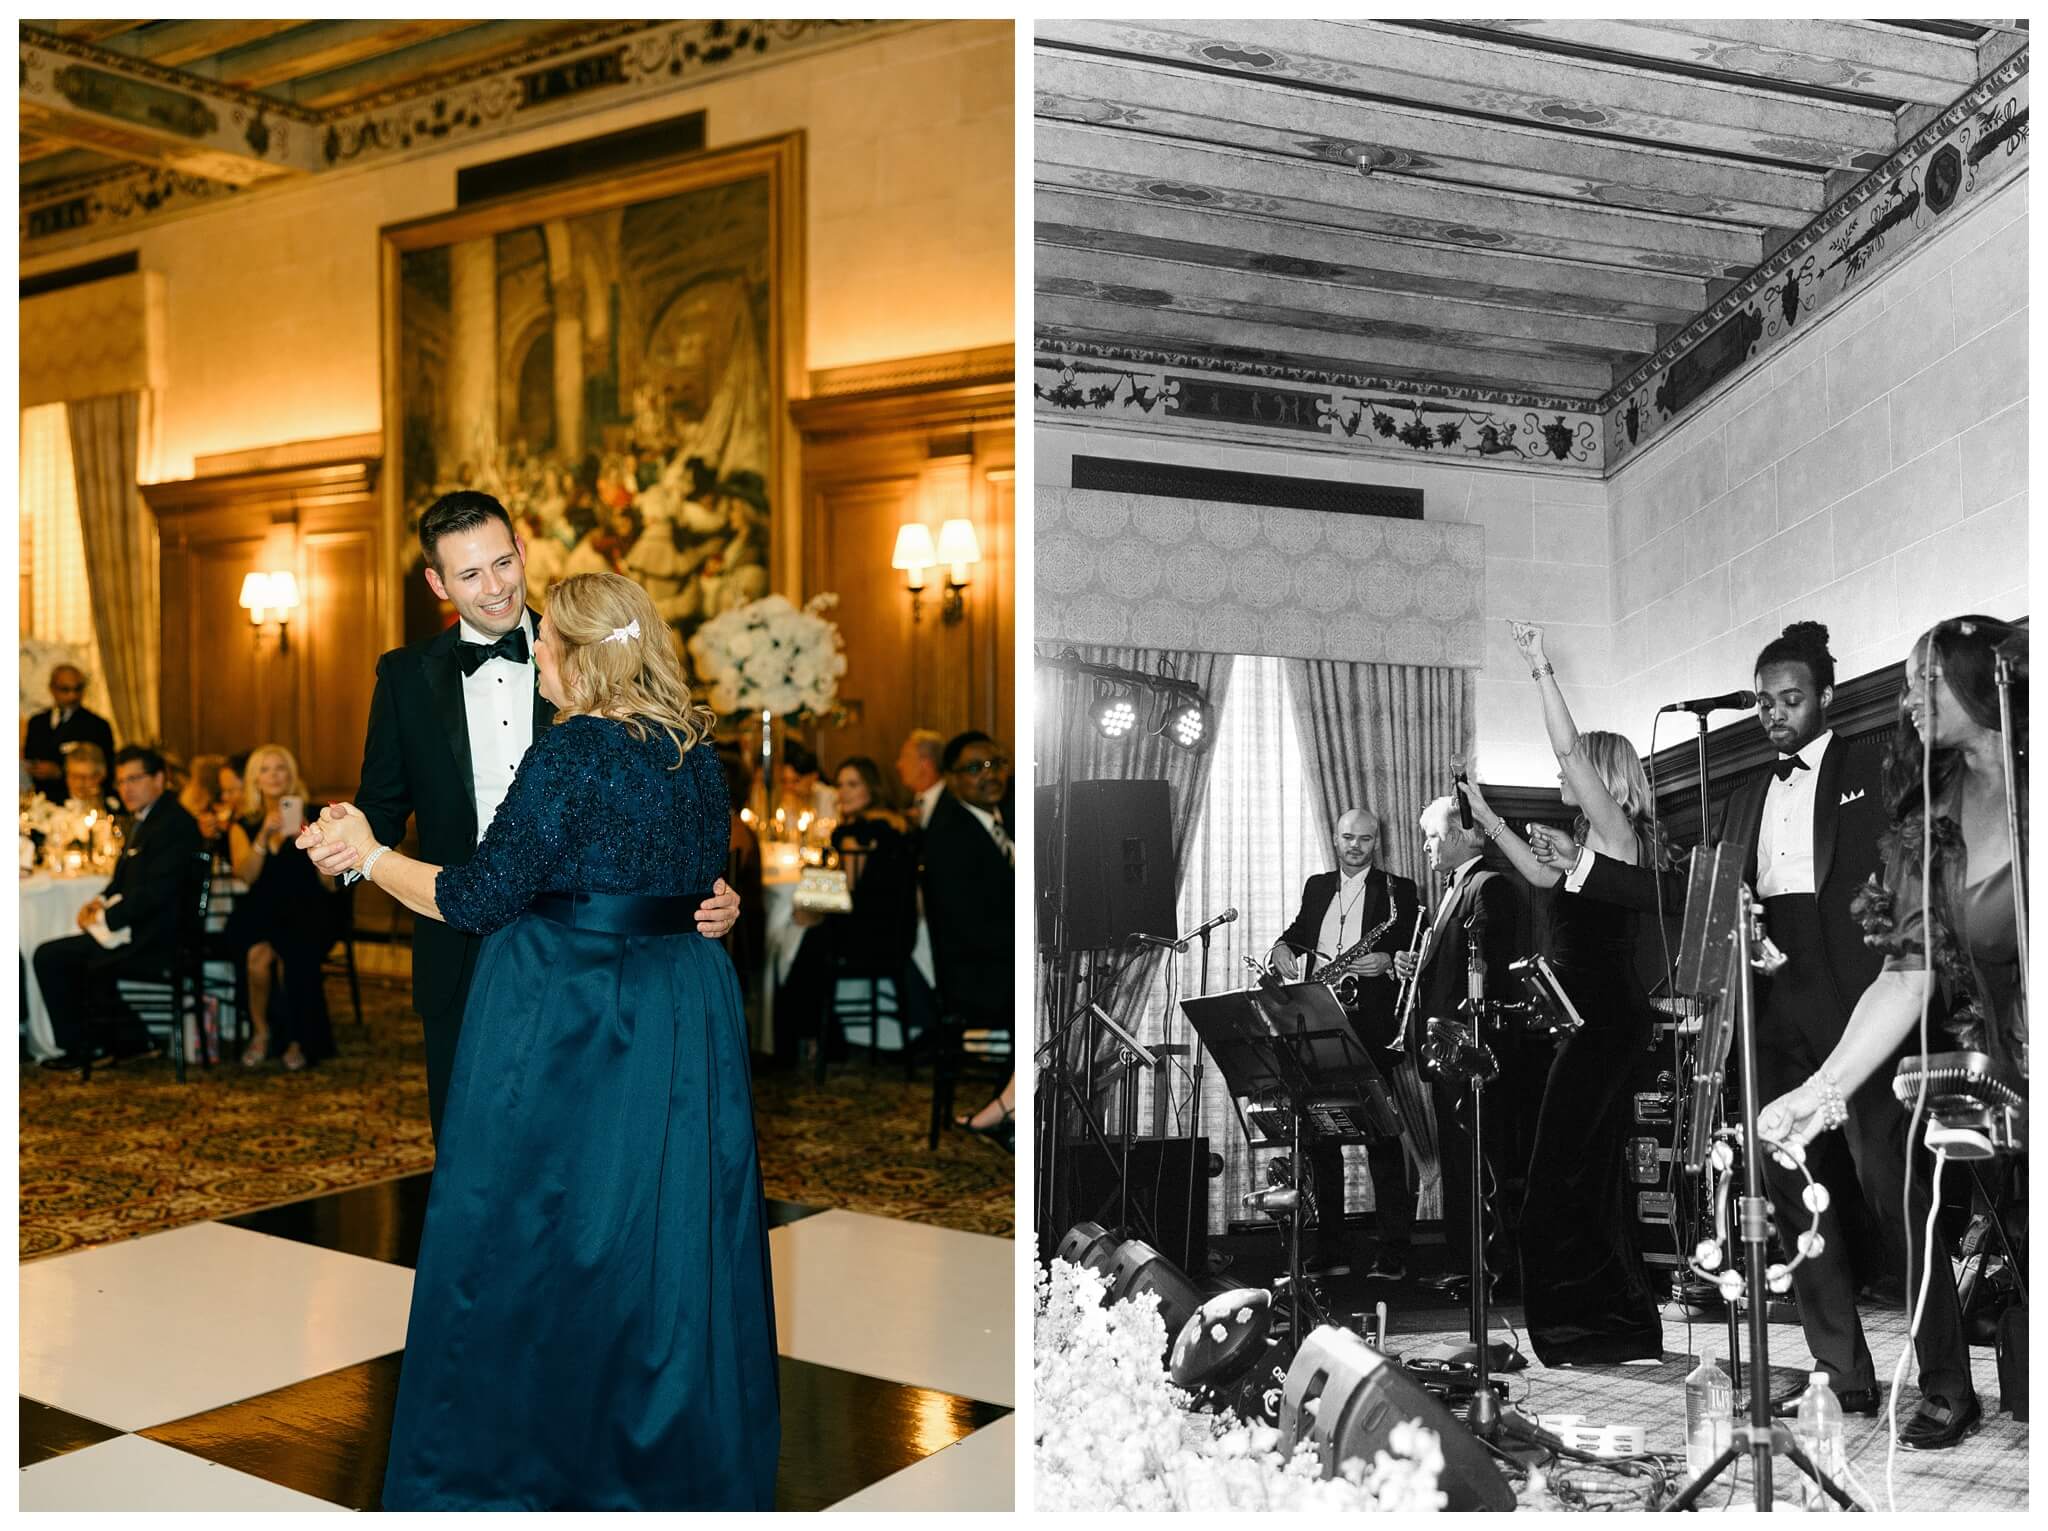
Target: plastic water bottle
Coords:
[[1819, 1430], [1709, 1412]]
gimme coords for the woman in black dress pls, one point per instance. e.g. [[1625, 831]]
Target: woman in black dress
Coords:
[[1587, 1297], [286, 919]]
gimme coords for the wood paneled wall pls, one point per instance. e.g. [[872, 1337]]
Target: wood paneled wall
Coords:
[[923, 440], [224, 690]]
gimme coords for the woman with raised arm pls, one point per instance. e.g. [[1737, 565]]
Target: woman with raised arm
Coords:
[[1583, 1285], [592, 1326]]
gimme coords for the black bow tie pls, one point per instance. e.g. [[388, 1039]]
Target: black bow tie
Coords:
[[1785, 765], [474, 656]]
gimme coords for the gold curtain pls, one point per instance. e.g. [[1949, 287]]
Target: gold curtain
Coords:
[[1384, 736], [108, 436]]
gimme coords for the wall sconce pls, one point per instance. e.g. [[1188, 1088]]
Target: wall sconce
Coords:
[[271, 597], [957, 548], [914, 554]]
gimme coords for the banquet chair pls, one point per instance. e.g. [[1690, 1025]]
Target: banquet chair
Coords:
[[166, 995]]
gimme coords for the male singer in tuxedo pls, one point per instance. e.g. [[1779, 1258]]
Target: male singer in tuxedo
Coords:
[[67, 722], [158, 861], [1810, 825], [1338, 909], [1474, 916], [450, 720]]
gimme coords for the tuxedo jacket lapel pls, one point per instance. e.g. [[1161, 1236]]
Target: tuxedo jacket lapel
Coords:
[[1827, 791], [543, 709], [444, 679]]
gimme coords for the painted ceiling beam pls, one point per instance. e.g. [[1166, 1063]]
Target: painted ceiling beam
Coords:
[[1119, 160], [1286, 117], [319, 50], [1503, 81], [1364, 353], [1193, 287], [174, 44], [1253, 243], [88, 31], [1838, 55], [99, 100], [477, 45], [61, 162]]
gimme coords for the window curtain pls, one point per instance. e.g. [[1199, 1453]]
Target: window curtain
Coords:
[[56, 605], [108, 437], [1385, 737]]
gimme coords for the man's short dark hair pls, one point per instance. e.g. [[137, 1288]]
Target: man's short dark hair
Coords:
[[800, 758], [463, 511], [1802, 643], [239, 762], [957, 746], [152, 762]]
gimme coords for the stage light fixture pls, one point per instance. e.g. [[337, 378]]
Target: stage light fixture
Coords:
[[1116, 714], [1187, 723]]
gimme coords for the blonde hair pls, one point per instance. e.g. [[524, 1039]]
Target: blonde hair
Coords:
[[1620, 769], [635, 680], [252, 795]]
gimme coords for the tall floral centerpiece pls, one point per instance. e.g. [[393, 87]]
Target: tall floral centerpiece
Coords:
[[771, 659]]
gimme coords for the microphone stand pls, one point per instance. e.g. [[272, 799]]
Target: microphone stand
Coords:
[[1692, 1290], [1195, 1120], [2004, 670]]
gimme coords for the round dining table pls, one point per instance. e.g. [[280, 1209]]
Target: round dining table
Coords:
[[49, 912]]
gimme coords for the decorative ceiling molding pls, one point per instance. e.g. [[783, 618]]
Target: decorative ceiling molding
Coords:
[[1978, 144], [602, 68]]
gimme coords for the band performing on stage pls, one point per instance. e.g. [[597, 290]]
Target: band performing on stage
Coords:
[[1786, 1015]]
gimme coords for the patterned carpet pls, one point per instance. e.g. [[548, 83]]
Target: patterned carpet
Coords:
[[134, 1152]]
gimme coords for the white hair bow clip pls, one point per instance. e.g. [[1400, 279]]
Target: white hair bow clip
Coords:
[[621, 634]]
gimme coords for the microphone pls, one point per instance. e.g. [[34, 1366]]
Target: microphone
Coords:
[[1739, 701], [1464, 802], [1142, 938], [1202, 930]]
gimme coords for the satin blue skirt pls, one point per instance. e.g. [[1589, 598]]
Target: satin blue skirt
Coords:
[[592, 1323]]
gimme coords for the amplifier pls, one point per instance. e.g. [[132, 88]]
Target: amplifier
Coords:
[[1157, 1193]]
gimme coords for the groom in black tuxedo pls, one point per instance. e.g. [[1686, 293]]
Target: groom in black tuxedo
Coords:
[[1810, 825], [1338, 910], [451, 718]]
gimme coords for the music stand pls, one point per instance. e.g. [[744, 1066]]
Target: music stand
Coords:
[[1295, 1044]]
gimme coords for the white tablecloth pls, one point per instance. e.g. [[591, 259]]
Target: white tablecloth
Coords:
[[49, 912]]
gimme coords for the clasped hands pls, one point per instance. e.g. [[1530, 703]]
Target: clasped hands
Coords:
[[340, 838]]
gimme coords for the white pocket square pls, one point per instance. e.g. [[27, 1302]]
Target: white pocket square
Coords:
[[1850, 797]]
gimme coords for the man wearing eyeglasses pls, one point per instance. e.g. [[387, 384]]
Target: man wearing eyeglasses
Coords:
[[67, 722], [970, 877]]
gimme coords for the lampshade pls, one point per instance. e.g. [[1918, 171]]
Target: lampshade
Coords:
[[255, 592], [284, 590], [914, 547], [957, 544]]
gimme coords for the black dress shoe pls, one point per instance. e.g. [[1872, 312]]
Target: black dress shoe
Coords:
[[1443, 1281], [1325, 1265], [1867, 1401], [1939, 1424], [64, 1063], [1387, 1266]]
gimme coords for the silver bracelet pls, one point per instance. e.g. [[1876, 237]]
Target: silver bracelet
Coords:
[[371, 860], [1834, 1110], [1546, 668], [1498, 826]]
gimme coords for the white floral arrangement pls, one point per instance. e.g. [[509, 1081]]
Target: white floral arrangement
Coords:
[[65, 825], [1114, 1433], [772, 656]]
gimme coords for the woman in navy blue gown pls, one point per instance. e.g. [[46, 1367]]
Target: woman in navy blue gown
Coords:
[[592, 1325]]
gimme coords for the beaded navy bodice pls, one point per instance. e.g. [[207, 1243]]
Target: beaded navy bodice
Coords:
[[594, 810]]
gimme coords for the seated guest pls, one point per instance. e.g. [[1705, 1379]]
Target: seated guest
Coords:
[[67, 722], [875, 937], [85, 777], [917, 763], [231, 781], [970, 892], [286, 919], [201, 797], [799, 791], [77, 974]]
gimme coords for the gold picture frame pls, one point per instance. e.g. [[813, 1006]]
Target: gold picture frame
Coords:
[[564, 246]]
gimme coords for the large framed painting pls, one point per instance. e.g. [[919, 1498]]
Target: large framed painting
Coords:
[[613, 359]]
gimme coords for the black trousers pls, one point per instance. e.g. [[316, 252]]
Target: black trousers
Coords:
[[77, 976], [1800, 1020], [1393, 1198], [443, 1030]]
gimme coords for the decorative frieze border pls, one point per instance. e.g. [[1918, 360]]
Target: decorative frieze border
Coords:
[[1097, 385], [626, 63], [1974, 147]]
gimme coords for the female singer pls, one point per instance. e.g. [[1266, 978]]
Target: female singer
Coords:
[[1587, 1298]]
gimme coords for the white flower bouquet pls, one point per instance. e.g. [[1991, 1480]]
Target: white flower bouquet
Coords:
[[1114, 1433], [83, 827], [771, 656]]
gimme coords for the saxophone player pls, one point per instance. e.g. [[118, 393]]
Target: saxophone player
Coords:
[[1358, 904]]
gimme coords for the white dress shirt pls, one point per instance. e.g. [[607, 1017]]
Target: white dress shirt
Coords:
[[927, 800], [1344, 920], [1784, 844], [498, 703]]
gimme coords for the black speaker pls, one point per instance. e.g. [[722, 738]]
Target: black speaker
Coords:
[[1158, 1192], [1090, 1245], [1345, 1398], [1140, 1269], [1120, 874]]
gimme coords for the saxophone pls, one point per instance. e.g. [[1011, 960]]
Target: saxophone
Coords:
[[1344, 984]]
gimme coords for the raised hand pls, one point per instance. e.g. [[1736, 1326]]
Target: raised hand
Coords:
[[1482, 815], [1553, 847], [718, 913], [1529, 639]]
